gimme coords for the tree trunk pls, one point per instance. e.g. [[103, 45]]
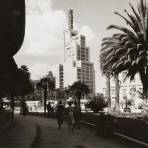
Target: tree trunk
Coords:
[[108, 93], [79, 102], [117, 94], [12, 106], [145, 93], [45, 98], [144, 80]]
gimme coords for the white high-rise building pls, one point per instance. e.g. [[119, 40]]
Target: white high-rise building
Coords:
[[77, 65], [58, 74]]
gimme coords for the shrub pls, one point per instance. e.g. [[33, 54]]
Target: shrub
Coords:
[[97, 104]]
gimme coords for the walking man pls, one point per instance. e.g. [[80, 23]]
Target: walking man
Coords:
[[49, 109], [77, 112], [60, 114]]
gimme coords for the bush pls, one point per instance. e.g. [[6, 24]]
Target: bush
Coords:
[[97, 104]]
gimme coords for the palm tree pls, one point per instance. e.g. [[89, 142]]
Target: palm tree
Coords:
[[46, 84], [131, 48], [79, 89], [107, 55], [43, 84], [25, 70], [135, 43]]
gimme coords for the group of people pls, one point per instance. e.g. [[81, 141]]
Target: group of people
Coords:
[[71, 115]]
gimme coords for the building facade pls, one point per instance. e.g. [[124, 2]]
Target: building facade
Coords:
[[57, 71], [128, 91], [77, 65], [38, 93]]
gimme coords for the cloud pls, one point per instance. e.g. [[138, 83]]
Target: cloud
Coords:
[[38, 68], [85, 30], [44, 29], [38, 6], [43, 37], [43, 45]]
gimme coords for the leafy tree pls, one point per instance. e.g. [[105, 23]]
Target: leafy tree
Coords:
[[79, 89], [16, 83], [12, 28], [67, 92], [59, 93], [23, 81]]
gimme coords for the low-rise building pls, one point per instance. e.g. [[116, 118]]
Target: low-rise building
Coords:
[[128, 91]]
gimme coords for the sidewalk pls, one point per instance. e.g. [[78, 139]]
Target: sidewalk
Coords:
[[21, 135], [5, 123], [50, 137]]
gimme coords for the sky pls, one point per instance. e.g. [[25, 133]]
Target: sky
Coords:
[[46, 20]]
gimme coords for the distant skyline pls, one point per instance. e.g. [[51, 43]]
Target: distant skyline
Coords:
[[46, 21]]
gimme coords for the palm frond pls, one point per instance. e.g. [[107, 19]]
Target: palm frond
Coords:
[[127, 31], [136, 26], [126, 20]]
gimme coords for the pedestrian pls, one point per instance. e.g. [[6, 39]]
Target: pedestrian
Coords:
[[77, 112], [70, 117], [49, 109], [60, 114], [24, 108]]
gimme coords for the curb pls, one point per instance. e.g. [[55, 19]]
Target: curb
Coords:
[[131, 139], [118, 134]]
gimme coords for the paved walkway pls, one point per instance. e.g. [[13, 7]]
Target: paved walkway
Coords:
[[20, 135], [4, 125], [40, 132], [49, 137]]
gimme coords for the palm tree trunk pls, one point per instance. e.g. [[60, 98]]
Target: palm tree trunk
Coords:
[[108, 93], [79, 102], [117, 93], [144, 80], [145, 93], [45, 98]]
